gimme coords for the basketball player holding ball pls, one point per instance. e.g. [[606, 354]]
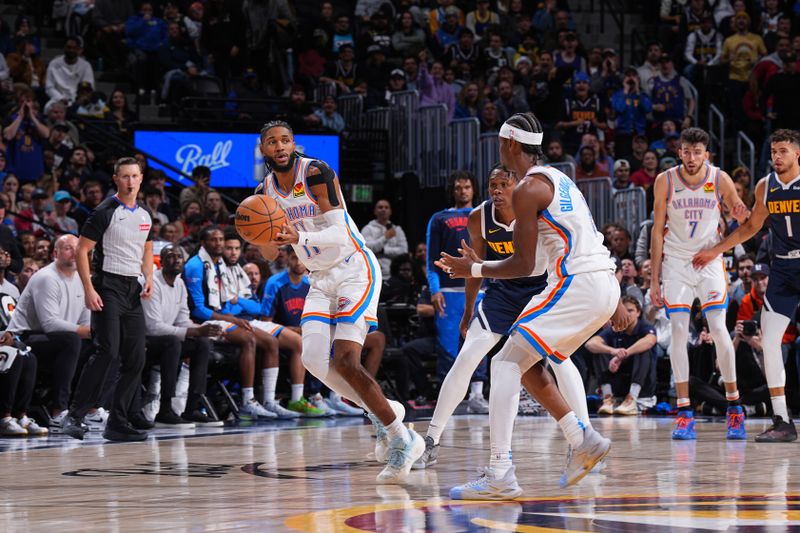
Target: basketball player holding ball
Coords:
[[341, 305]]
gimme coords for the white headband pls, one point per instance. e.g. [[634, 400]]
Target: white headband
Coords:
[[508, 131]]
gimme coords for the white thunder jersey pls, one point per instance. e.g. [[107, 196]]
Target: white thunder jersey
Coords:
[[568, 237], [693, 213], [304, 214]]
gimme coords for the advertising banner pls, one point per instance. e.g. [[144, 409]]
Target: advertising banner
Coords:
[[234, 158]]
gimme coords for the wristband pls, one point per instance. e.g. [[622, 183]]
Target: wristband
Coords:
[[476, 271]]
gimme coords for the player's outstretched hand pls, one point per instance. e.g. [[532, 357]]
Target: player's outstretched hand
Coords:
[[621, 319], [287, 235], [466, 251], [455, 267], [740, 213], [703, 257]]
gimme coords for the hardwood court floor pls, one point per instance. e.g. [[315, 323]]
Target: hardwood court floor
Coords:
[[315, 476]]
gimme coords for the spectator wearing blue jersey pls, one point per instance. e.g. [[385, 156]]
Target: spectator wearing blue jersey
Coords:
[[145, 35], [446, 230], [631, 105]]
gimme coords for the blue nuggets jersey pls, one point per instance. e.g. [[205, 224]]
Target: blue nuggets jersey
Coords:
[[505, 298], [284, 301], [500, 245], [783, 203]]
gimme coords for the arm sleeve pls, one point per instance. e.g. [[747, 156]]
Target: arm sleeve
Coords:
[[618, 101], [688, 52], [50, 85], [97, 224], [86, 317], [183, 319], [251, 307], [193, 277], [398, 245], [268, 300], [718, 50], [47, 308], [334, 235], [374, 236], [155, 324], [434, 247]]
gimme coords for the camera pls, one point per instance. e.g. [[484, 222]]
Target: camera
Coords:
[[749, 328], [389, 225]]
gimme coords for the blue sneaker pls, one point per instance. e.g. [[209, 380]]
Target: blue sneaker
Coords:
[[488, 487], [402, 455], [684, 426], [736, 429]]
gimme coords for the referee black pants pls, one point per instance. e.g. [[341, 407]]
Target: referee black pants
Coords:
[[118, 333]]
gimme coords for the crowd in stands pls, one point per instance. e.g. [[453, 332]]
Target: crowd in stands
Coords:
[[483, 59]]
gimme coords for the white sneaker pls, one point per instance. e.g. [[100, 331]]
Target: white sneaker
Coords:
[[382, 437], [488, 487], [319, 402], [56, 421], [581, 460], [477, 405], [9, 427], [340, 407], [97, 420], [255, 410], [32, 427], [280, 411], [402, 455]]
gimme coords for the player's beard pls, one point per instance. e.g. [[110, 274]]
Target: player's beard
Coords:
[[281, 168]]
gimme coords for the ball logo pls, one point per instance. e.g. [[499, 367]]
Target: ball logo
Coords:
[[191, 155], [144, 227], [242, 218]]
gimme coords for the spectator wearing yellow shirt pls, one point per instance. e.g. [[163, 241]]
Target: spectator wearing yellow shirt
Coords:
[[741, 51]]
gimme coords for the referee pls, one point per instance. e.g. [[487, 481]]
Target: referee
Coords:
[[120, 233]]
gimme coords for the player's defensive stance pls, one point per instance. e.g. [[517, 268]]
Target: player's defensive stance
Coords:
[[491, 233], [582, 294]]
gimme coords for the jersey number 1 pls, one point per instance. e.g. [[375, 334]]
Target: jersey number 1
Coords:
[[789, 231], [299, 226]]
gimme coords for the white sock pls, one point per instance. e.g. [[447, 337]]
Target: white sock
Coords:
[[606, 390], [247, 394], [297, 391], [476, 389], [500, 463], [779, 407], [269, 380], [572, 428], [635, 390], [397, 429], [476, 345], [571, 386]]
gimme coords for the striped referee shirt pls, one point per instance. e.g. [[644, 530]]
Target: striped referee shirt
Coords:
[[120, 233]]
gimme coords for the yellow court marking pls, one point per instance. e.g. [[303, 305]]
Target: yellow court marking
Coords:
[[334, 520]]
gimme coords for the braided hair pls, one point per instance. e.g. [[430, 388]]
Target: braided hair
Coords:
[[528, 122]]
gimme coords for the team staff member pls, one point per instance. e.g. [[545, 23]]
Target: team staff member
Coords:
[[120, 233], [171, 335], [53, 320]]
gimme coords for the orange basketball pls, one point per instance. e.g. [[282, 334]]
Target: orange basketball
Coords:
[[259, 219]]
